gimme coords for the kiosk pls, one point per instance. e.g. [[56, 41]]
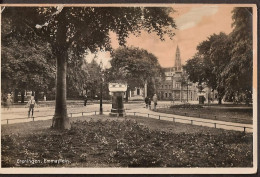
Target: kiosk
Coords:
[[117, 90]]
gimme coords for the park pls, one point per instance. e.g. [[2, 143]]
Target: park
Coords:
[[131, 109]]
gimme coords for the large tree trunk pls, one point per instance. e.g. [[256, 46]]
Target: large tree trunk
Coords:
[[61, 119]]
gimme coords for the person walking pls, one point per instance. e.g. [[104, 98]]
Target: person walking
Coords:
[[149, 103], [31, 103], [155, 99], [85, 99], [4, 101], [8, 101], [146, 100]]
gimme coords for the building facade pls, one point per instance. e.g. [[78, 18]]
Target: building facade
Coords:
[[176, 86]]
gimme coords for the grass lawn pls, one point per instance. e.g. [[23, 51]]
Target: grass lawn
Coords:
[[227, 112], [102, 141]]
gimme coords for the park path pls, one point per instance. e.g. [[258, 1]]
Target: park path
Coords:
[[20, 114], [45, 113], [191, 120]]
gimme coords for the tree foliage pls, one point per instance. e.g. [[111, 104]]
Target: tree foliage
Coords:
[[80, 28], [212, 57], [195, 69], [26, 65], [225, 62], [93, 82], [134, 66], [239, 72]]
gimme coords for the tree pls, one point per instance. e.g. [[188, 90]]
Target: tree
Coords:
[[210, 61], [81, 28], [26, 66], [77, 75], [93, 81], [195, 69], [238, 73], [134, 66], [216, 54]]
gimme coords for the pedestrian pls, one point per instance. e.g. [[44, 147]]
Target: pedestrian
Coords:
[[149, 103], [31, 103], [44, 97], [8, 101], [85, 99], [146, 100], [5, 101], [155, 99]]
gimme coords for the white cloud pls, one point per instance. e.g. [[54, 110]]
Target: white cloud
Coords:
[[194, 16]]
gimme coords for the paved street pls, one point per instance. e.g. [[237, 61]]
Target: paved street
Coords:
[[19, 114]]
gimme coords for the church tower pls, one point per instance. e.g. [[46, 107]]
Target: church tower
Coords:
[[178, 59]]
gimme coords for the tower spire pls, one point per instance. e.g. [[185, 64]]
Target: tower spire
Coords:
[[178, 59]]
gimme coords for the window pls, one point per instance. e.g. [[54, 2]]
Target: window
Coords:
[[138, 91], [165, 95], [177, 85], [162, 86], [170, 94], [166, 86]]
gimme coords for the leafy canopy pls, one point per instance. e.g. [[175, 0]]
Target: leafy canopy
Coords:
[[134, 65], [81, 28], [225, 62]]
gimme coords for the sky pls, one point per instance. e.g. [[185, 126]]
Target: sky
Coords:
[[195, 23]]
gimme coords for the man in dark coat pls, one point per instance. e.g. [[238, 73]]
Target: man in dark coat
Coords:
[[85, 99], [146, 100]]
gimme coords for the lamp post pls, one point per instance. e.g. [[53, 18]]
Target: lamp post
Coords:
[[172, 91], [101, 88], [187, 91]]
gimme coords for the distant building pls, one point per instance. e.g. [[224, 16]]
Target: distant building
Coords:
[[137, 94], [176, 86]]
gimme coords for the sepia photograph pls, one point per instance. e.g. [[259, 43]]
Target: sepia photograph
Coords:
[[129, 88]]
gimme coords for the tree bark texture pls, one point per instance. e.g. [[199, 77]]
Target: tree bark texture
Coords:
[[61, 119]]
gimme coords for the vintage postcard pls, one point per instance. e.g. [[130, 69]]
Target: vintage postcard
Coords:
[[129, 88]]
